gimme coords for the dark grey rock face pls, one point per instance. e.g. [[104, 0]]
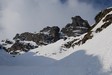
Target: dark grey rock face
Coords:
[[44, 37], [17, 46], [101, 14], [53, 32], [21, 46], [76, 28]]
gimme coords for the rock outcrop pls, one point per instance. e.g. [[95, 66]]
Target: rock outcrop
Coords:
[[76, 28], [44, 37], [19, 46], [15, 47], [53, 32], [100, 15]]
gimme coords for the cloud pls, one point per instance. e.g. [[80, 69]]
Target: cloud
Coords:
[[32, 15], [101, 4]]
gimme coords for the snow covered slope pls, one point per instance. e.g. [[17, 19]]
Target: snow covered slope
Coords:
[[99, 45], [78, 63], [90, 58]]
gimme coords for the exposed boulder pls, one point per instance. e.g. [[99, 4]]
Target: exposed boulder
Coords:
[[77, 27]]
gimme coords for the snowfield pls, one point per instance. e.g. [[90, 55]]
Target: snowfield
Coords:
[[77, 63]]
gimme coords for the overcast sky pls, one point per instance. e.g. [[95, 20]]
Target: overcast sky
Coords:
[[18, 16]]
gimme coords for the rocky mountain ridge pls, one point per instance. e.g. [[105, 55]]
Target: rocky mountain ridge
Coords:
[[46, 36], [79, 27], [104, 18]]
